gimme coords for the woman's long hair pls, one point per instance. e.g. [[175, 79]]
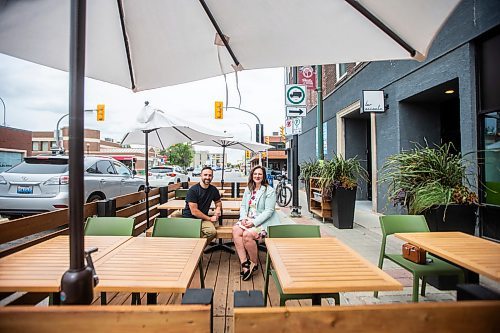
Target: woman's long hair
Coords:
[[251, 183]]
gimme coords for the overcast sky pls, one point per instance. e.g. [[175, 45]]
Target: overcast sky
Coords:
[[36, 97]]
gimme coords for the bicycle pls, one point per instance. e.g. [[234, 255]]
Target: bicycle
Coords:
[[283, 192]]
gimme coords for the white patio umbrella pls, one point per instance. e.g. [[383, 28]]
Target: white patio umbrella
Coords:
[[232, 143], [157, 129], [149, 44]]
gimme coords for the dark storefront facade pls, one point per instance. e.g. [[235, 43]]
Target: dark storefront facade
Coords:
[[453, 96]]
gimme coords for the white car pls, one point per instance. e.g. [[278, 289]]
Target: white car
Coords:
[[160, 176], [40, 183]]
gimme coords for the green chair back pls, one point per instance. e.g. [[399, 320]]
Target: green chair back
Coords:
[[177, 227], [109, 226], [181, 193], [293, 231], [403, 223]]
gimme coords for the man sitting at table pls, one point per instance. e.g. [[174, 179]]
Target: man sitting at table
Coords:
[[198, 200]]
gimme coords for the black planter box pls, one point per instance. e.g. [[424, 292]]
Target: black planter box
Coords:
[[343, 203], [458, 218]]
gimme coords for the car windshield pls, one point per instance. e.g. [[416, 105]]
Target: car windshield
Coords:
[[40, 166], [161, 170]]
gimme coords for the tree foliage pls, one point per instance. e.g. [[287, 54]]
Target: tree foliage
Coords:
[[181, 154]]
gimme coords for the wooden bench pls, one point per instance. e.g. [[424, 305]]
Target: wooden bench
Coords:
[[97, 319], [473, 316]]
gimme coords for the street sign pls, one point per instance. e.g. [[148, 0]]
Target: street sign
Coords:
[[296, 126], [307, 76], [295, 95], [295, 111], [288, 127]]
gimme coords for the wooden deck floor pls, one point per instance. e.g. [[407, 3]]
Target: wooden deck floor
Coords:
[[222, 273]]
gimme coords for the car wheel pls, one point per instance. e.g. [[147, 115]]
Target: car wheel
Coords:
[[178, 180], [94, 197]]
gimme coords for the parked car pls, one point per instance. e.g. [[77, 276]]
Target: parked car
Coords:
[[40, 184], [164, 175], [190, 168], [196, 172], [276, 174]]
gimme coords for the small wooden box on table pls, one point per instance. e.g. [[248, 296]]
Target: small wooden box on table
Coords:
[[319, 203]]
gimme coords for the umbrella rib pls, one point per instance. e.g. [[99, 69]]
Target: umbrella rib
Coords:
[[125, 41], [158, 135], [372, 18], [181, 132], [219, 31]]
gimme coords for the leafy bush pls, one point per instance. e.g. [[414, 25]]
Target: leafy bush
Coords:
[[424, 177]]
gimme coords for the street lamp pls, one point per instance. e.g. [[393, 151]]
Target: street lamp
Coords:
[[250, 128], [4, 111], [58, 138]]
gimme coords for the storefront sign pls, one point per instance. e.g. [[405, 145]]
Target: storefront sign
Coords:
[[373, 101]]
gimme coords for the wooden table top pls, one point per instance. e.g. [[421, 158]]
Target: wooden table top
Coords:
[[39, 268], [324, 265], [150, 264], [233, 205], [476, 254]]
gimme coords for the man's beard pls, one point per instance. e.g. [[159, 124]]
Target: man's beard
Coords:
[[206, 181]]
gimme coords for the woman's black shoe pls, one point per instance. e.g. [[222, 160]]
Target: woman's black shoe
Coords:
[[251, 268], [246, 265]]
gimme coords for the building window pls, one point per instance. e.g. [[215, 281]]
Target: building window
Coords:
[[35, 146], [45, 146], [341, 70]]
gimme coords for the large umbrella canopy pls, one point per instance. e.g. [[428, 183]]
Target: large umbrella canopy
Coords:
[[166, 130], [149, 44], [232, 143]]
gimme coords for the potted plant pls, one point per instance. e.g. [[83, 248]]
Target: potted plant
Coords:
[[433, 182], [340, 179], [307, 170]]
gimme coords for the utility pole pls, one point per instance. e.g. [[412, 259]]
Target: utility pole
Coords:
[[320, 154], [295, 211]]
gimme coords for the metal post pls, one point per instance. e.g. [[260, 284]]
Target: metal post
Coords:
[[295, 211], [146, 171], [223, 165], [58, 139], [319, 113], [77, 283], [5, 112]]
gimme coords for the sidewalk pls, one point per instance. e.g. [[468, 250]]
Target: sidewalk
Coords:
[[365, 238]]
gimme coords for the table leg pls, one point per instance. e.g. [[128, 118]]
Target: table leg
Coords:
[[219, 246], [316, 299], [55, 299], [152, 298]]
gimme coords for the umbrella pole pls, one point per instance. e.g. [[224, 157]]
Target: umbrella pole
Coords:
[[146, 190], [77, 283], [223, 164]]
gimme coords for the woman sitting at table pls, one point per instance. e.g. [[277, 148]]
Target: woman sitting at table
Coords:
[[257, 212]]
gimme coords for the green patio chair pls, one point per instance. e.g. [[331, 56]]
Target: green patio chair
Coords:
[[182, 228], [109, 226], [291, 231], [181, 193], [413, 223]]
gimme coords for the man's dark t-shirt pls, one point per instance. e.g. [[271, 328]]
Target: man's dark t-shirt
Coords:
[[203, 197]]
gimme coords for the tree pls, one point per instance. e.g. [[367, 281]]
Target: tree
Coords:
[[181, 154]]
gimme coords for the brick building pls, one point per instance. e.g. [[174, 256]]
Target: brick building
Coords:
[[15, 144]]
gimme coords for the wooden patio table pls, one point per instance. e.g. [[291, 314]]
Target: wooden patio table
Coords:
[[323, 266], [476, 254], [150, 264], [39, 268]]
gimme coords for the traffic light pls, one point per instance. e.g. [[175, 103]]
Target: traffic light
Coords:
[[282, 132], [100, 112], [267, 140], [264, 154], [248, 154], [218, 110]]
